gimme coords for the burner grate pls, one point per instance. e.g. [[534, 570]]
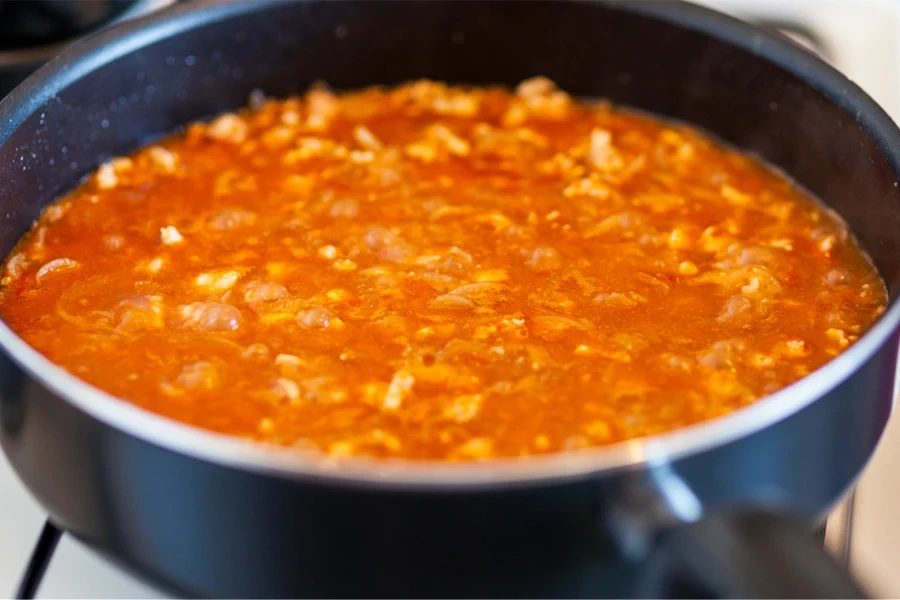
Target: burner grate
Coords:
[[39, 561]]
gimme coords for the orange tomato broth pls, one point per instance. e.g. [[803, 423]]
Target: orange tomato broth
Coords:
[[436, 272]]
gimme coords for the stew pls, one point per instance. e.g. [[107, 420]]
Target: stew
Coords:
[[436, 272]]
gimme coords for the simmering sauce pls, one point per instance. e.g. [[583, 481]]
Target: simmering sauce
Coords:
[[435, 272]]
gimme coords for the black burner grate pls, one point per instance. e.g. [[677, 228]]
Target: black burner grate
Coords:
[[39, 561]]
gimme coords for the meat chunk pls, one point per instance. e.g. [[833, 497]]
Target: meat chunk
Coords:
[[210, 316]]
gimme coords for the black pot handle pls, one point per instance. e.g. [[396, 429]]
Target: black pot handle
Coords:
[[742, 554]]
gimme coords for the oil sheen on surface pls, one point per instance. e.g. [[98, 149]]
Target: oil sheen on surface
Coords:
[[439, 273]]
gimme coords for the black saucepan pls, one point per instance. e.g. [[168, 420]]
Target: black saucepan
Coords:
[[720, 509]]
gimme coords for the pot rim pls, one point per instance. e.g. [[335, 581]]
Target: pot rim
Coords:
[[229, 451]]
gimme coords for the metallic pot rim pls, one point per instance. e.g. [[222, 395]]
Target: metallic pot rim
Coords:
[[229, 451]]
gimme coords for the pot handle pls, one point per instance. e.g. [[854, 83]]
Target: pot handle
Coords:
[[742, 554]]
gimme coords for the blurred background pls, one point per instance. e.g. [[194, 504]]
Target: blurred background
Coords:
[[33, 31], [859, 37]]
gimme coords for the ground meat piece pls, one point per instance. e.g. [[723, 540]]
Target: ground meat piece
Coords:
[[317, 317], [210, 316], [232, 218], [57, 265]]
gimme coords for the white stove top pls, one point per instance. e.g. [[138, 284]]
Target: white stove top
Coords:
[[861, 38]]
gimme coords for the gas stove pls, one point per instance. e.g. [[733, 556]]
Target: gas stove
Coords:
[[859, 37]]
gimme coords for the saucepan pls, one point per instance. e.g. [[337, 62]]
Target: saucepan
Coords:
[[721, 509]]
